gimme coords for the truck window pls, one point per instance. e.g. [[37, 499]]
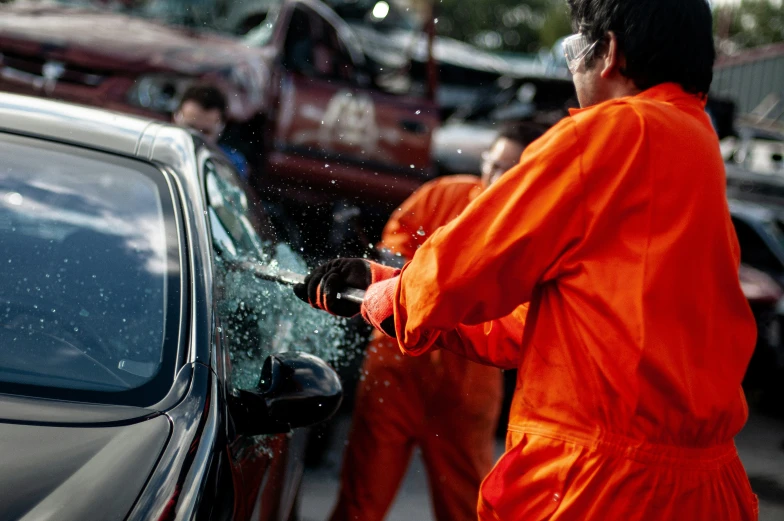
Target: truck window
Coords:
[[314, 48]]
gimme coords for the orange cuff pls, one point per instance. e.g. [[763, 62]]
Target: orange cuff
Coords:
[[378, 309], [379, 272]]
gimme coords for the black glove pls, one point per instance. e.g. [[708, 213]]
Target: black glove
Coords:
[[323, 284], [321, 288]]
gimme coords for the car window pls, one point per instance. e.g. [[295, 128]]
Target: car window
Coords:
[[258, 317], [90, 282], [314, 48], [754, 251]]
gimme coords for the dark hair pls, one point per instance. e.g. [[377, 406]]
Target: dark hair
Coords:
[[662, 40], [523, 132], [208, 96]]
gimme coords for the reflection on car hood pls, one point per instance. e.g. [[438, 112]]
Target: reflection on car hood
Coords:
[[89, 37], [63, 473]]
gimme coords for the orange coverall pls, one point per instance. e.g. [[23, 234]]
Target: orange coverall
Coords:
[[615, 227], [443, 403]]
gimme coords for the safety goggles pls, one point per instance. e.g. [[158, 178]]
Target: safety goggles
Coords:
[[575, 48]]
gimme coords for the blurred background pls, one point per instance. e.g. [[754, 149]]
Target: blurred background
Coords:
[[339, 109]]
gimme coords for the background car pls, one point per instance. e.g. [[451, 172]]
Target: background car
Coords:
[[761, 237], [471, 130], [145, 372], [755, 149]]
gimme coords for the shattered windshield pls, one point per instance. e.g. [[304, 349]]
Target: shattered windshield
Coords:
[[89, 289]]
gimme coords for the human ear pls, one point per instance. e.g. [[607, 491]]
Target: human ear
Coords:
[[612, 59]]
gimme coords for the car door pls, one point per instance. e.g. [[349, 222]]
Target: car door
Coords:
[[407, 124], [255, 319], [335, 132], [317, 88]]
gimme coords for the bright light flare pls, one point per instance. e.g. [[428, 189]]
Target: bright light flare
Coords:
[[14, 198], [380, 10]]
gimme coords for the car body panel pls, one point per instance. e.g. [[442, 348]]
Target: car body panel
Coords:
[[47, 468], [206, 470], [116, 132], [173, 491], [23, 409]]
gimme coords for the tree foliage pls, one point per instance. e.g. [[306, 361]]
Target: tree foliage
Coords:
[[749, 24], [512, 25], [529, 25]]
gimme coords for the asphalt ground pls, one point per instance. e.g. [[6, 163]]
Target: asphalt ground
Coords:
[[760, 445]]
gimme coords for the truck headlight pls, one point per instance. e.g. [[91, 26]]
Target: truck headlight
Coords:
[[158, 92]]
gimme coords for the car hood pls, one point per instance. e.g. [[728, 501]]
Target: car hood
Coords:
[[113, 41], [61, 471]]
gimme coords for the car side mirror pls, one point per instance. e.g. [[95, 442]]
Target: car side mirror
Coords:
[[294, 390]]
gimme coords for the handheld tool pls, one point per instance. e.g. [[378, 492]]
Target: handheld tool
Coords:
[[289, 278]]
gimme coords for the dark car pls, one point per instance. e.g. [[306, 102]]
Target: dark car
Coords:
[[761, 236], [760, 231], [144, 372]]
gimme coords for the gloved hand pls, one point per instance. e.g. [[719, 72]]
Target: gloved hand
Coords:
[[322, 286]]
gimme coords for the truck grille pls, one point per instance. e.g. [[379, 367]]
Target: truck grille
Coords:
[[23, 67]]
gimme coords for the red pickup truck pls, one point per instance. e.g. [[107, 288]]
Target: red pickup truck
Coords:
[[305, 109]]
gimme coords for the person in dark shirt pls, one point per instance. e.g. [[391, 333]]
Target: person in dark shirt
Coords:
[[203, 108]]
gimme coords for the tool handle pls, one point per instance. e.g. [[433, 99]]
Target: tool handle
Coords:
[[352, 295], [290, 278]]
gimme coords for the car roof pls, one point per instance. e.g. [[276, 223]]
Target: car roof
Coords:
[[75, 124], [91, 127]]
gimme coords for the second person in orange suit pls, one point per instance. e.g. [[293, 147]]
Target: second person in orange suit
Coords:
[[615, 228], [441, 402]]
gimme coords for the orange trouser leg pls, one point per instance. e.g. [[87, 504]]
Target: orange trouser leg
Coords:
[[458, 434], [457, 459], [380, 444], [373, 468]]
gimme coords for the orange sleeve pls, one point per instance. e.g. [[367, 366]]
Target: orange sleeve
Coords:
[[495, 343], [400, 233], [516, 235]]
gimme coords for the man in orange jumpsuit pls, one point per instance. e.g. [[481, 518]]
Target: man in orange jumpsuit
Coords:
[[615, 227], [441, 402]]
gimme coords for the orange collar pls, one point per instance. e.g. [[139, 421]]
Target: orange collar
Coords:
[[665, 92]]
